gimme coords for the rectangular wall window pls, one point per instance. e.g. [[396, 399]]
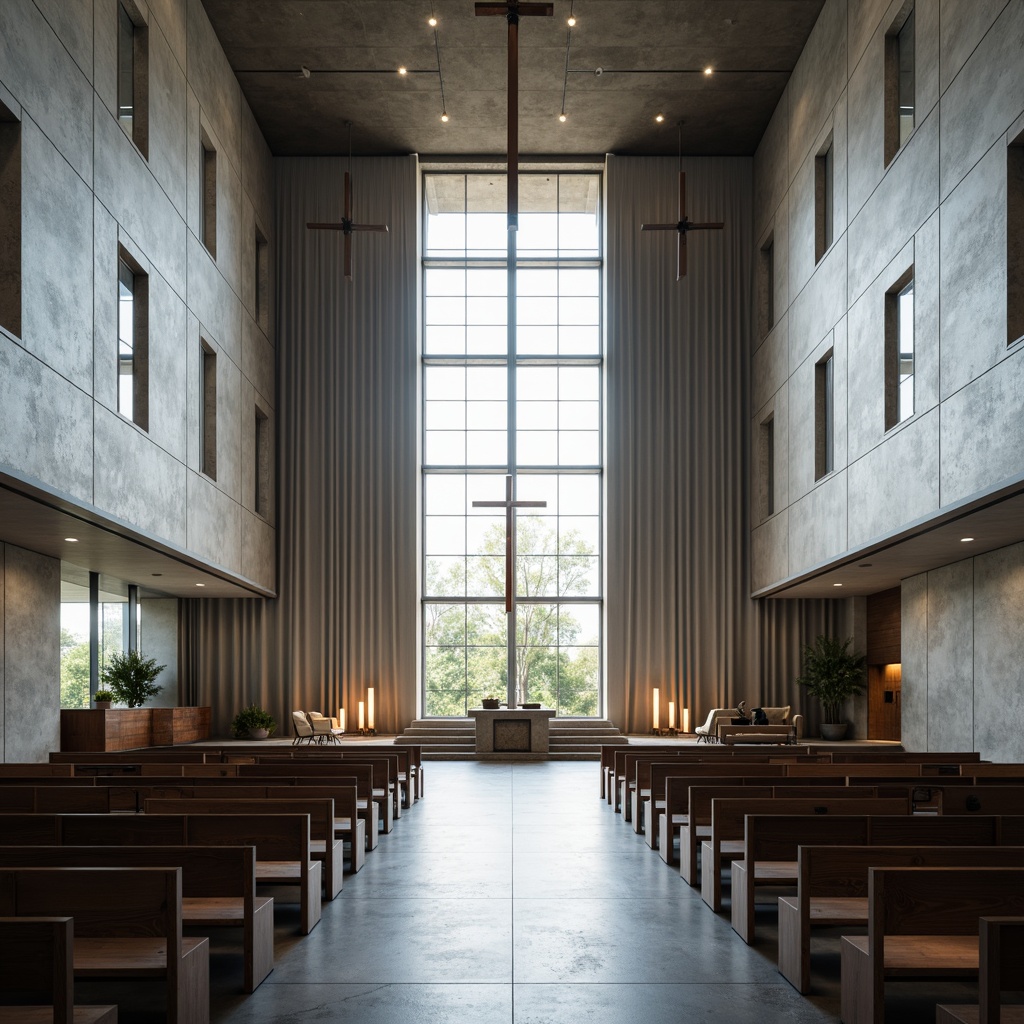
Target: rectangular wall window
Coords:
[[208, 195], [1015, 240], [10, 222], [824, 199], [824, 417], [208, 410], [511, 382], [133, 75], [899, 82], [766, 287], [899, 351], [767, 459], [132, 342], [262, 282], [261, 467]]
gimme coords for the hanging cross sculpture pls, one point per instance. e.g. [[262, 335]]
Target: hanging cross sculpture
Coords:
[[509, 505], [346, 226], [682, 227]]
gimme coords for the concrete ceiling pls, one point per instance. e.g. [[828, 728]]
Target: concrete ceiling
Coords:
[[652, 53]]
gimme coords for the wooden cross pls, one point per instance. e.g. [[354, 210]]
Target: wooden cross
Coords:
[[683, 225], [509, 505], [346, 225], [512, 10]]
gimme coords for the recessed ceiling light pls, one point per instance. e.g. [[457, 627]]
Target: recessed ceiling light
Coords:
[[403, 71], [200, 584], [71, 540], [837, 584], [562, 118], [708, 70], [432, 21], [964, 540], [659, 118], [571, 21], [444, 118]]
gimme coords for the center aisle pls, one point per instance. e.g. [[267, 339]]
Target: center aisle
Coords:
[[512, 894]]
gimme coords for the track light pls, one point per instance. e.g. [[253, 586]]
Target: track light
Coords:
[[562, 117], [444, 117]]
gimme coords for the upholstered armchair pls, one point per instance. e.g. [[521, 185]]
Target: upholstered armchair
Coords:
[[303, 730], [324, 729]]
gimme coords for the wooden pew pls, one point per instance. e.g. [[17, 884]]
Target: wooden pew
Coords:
[[37, 963], [728, 827], [54, 800], [127, 924], [832, 883], [322, 843], [922, 922], [283, 855], [376, 794], [218, 886], [15, 769], [674, 809], [981, 799], [1001, 956], [348, 826], [770, 852]]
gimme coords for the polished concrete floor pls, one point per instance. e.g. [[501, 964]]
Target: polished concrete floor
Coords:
[[513, 895]]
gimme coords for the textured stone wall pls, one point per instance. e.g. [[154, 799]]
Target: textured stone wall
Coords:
[[88, 189], [940, 206], [29, 655], [963, 657]]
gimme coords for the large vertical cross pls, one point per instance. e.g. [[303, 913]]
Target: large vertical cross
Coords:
[[513, 10]]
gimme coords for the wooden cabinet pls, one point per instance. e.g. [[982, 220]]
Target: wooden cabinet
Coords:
[[131, 728]]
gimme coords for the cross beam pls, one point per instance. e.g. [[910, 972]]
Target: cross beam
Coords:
[[509, 505], [513, 10], [683, 225], [346, 226]]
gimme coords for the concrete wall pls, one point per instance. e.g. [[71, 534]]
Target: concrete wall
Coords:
[[88, 189], [29, 655], [940, 206], [158, 638], [963, 657]]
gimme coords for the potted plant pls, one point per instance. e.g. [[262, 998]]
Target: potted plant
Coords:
[[253, 723], [833, 675], [129, 677], [491, 703], [103, 699]]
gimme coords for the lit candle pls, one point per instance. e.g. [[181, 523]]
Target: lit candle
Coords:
[[671, 714], [341, 719], [686, 719], [362, 722], [657, 708], [369, 709]]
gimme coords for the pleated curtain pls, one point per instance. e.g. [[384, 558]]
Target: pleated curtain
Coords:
[[345, 618], [679, 612]]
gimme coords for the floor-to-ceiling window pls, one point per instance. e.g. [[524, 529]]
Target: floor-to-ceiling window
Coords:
[[512, 365]]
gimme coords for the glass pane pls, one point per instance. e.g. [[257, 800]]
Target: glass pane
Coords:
[[578, 447], [487, 310], [537, 340], [444, 382], [125, 339], [535, 535], [445, 415], [579, 624], [74, 645], [579, 416], [905, 43], [444, 495], [579, 535], [485, 535], [536, 447], [536, 575], [578, 576], [487, 341], [445, 448], [538, 234], [486, 626], [485, 574], [486, 448], [487, 382], [444, 340], [537, 309], [579, 341], [579, 495], [579, 310], [444, 310], [125, 69], [579, 383], [580, 281], [445, 625], [537, 383], [444, 281], [444, 535], [445, 577], [578, 675], [487, 281], [537, 415]]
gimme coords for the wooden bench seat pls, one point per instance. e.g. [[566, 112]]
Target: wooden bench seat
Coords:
[[838, 865], [826, 871], [218, 885], [38, 953], [127, 925], [323, 845], [728, 827], [1000, 968], [922, 923]]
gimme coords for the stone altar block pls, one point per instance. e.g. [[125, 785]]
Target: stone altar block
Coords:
[[512, 730]]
